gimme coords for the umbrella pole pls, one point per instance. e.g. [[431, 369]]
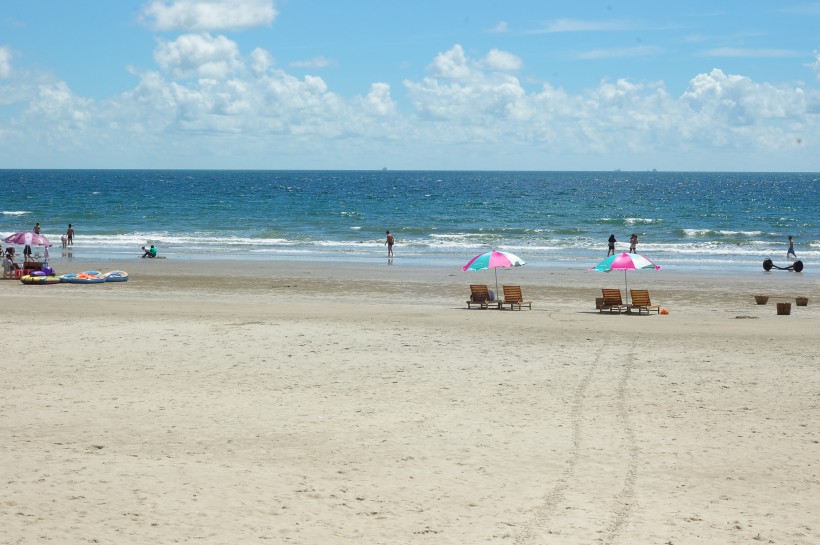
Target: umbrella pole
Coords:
[[626, 287], [495, 270]]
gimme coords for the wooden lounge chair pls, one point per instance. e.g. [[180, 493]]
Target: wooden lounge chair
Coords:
[[612, 301], [480, 295], [640, 301], [513, 297]]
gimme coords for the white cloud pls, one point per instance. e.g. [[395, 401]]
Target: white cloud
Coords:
[[198, 56], [500, 28], [202, 15], [502, 60], [451, 64], [261, 61], [5, 61], [574, 25], [620, 52], [737, 101], [316, 63], [206, 105], [738, 52], [816, 64]]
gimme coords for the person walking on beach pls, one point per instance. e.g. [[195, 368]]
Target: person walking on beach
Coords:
[[790, 251], [390, 241], [612, 242], [633, 243], [69, 235]]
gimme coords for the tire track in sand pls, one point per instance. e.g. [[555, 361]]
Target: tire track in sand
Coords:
[[625, 501], [554, 497], [622, 503]]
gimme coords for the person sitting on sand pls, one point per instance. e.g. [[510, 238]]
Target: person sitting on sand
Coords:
[[8, 263], [149, 252]]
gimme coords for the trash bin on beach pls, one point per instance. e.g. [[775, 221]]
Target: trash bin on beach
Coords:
[[802, 301], [784, 309]]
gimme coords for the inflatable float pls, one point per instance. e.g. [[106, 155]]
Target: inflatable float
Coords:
[[87, 277], [116, 276], [39, 280]]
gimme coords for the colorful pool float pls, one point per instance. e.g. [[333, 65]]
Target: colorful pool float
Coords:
[[116, 276], [39, 280], [87, 277]]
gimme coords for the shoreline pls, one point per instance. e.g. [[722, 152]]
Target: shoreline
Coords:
[[710, 265]]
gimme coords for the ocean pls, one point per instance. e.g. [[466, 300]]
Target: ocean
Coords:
[[693, 221]]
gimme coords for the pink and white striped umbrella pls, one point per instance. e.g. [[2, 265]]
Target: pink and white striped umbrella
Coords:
[[493, 260], [624, 262], [27, 238]]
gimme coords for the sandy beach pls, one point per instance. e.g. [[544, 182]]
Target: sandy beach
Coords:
[[226, 402]]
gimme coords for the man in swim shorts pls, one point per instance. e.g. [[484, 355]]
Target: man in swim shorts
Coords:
[[390, 241]]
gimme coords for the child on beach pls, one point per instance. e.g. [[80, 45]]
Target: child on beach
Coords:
[[790, 251]]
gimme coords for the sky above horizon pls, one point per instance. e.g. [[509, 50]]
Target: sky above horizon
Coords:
[[455, 85]]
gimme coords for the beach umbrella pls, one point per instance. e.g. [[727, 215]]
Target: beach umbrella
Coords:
[[624, 262], [28, 238], [493, 260]]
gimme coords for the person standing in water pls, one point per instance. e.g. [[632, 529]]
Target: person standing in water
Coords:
[[790, 251], [390, 241], [633, 243], [611, 242], [70, 235]]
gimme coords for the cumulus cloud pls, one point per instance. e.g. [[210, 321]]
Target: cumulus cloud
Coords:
[[466, 89], [738, 101], [238, 109], [198, 55], [451, 64], [815, 66], [5, 62], [204, 15], [261, 61], [502, 60]]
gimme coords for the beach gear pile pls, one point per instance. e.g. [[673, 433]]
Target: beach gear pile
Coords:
[[86, 277]]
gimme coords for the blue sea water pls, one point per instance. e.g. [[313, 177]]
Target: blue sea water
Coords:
[[690, 220]]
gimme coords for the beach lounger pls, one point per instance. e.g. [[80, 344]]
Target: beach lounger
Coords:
[[640, 301], [480, 295], [612, 301], [513, 297]]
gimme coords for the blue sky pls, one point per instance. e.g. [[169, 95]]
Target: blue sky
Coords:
[[321, 84]]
